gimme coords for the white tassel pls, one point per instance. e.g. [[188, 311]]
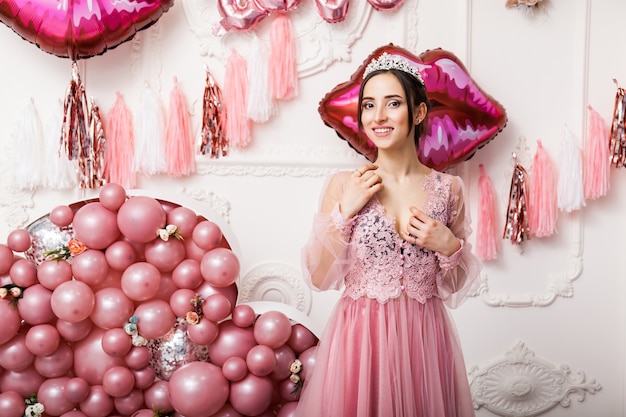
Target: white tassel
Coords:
[[571, 194], [261, 104], [150, 135], [27, 149], [60, 171]]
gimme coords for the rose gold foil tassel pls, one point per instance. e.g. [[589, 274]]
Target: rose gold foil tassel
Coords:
[[91, 156], [617, 137], [516, 228], [74, 131], [213, 139]]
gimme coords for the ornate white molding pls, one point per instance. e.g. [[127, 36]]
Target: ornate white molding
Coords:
[[319, 43], [520, 385], [275, 282], [216, 202]]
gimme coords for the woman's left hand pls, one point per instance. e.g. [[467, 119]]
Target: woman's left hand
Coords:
[[424, 231]]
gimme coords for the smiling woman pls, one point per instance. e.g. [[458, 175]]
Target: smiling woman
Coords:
[[463, 117]]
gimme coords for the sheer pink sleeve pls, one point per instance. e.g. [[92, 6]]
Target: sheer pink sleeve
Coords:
[[325, 256], [459, 271]]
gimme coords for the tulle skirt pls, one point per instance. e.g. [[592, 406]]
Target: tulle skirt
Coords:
[[398, 359]]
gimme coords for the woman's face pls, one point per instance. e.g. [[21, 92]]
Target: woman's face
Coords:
[[384, 112]]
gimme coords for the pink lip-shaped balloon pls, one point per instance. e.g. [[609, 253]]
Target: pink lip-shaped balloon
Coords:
[[462, 119], [80, 28]]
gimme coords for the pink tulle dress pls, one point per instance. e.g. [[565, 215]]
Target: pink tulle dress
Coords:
[[390, 348]]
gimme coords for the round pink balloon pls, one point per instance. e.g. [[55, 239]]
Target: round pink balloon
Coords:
[[235, 368], [23, 272], [207, 235], [272, 328], [25, 382], [252, 395], [120, 255], [90, 360], [198, 380], [165, 254], [167, 288], [216, 307], [239, 16], [116, 342], [52, 273], [50, 394], [156, 397], [90, 267], [220, 267], [180, 301], [61, 216], [14, 355], [308, 362], [95, 226], [12, 404], [288, 390], [284, 358], [118, 381], [98, 403], [112, 308], [34, 306], [261, 360], [73, 332], [76, 389], [42, 339], [19, 240], [155, 318], [184, 219], [288, 409], [6, 258], [138, 357], [57, 364], [203, 333], [112, 196], [141, 281], [301, 338], [243, 315], [187, 274], [193, 251], [206, 290], [231, 341], [128, 404], [72, 301], [11, 320], [144, 377], [140, 218]]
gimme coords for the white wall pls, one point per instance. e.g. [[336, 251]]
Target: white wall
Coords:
[[544, 69]]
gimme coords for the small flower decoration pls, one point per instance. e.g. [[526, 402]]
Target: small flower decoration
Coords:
[[526, 5], [295, 368], [33, 407], [194, 316], [131, 329], [170, 230], [12, 291], [73, 248]]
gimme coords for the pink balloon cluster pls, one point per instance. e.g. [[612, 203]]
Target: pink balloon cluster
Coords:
[[136, 313]]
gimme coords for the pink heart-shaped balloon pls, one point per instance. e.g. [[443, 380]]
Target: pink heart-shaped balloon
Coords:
[[462, 119], [80, 29]]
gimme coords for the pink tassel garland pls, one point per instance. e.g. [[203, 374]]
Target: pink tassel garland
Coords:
[[283, 67], [516, 228], [213, 139], [27, 145], [179, 153], [75, 114], [486, 243], [91, 159], [570, 194], [118, 155], [617, 139], [543, 211], [235, 101], [597, 162]]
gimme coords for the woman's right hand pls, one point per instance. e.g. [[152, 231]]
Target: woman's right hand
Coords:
[[363, 183]]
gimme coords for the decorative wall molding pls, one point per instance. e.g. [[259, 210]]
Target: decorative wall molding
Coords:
[[275, 282], [216, 202], [320, 43], [521, 385]]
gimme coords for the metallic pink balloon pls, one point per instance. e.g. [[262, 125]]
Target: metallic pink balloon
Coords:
[[78, 29], [112, 308], [57, 364], [220, 267], [155, 318], [239, 15], [24, 382], [42, 339], [217, 307], [156, 397], [98, 403], [11, 404], [203, 333], [11, 320], [165, 254], [235, 368], [130, 403], [34, 306], [95, 226], [23, 272], [90, 267], [72, 301], [184, 219], [198, 380], [112, 196], [19, 239], [252, 395], [116, 342], [382, 5], [118, 381], [61, 216], [76, 389], [187, 274], [272, 328], [52, 273], [332, 11], [138, 357], [120, 255], [301, 338], [277, 5], [50, 394], [14, 355], [6, 258], [261, 360], [140, 218], [231, 341]]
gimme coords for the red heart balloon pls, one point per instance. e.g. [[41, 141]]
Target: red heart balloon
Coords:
[[80, 29], [463, 118]]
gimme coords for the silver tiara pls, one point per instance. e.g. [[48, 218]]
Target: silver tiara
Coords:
[[387, 62]]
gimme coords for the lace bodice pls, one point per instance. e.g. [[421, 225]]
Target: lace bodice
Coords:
[[385, 265]]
